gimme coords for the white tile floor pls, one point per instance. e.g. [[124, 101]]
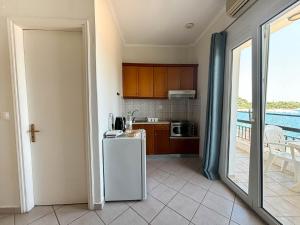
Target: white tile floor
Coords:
[[177, 195]]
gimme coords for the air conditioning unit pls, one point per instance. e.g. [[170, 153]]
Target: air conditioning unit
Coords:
[[235, 8]]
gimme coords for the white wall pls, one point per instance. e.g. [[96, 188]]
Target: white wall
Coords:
[[158, 54], [109, 71], [70, 9], [202, 53]]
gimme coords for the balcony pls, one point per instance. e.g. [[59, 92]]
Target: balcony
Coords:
[[280, 197]]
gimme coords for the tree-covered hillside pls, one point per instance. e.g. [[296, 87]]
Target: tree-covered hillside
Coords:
[[244, 104]]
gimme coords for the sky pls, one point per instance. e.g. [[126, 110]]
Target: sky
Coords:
[[284, 66]]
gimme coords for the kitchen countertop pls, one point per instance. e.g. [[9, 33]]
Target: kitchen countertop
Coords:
[[159, 122], [193, 137]]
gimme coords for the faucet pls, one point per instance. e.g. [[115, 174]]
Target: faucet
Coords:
[[133, 112]]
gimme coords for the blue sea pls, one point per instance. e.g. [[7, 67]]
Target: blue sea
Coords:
[[286, 118]]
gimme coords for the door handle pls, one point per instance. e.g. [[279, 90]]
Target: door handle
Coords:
[[32, 132]]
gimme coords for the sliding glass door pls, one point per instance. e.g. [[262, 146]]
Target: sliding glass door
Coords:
[[260, 155], [281, 143], [241, 115]]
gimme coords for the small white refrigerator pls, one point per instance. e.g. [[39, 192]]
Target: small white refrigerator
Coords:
[[124, 167]]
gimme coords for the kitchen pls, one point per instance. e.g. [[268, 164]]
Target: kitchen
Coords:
[[150, 94], [158, 109]]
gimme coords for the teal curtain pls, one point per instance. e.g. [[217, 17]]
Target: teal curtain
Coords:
[[214, 106]]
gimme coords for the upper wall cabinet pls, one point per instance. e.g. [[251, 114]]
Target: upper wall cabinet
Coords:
[[130, 81], [160, 82], [182, 78], [145, 84], [155, 80]]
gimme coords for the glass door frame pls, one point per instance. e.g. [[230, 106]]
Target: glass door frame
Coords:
[[237, 34]]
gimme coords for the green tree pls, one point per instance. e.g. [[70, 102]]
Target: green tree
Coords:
[[245, 104]]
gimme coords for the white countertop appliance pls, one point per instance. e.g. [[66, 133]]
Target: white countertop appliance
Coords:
[[124, 165]]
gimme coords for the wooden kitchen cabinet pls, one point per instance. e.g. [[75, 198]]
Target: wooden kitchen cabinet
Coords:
[[145, 84], [162, 139], [149, 136], [187, 78], [130, 81], [184, 145], [155, 80], [157, 137], [159, 141], [181, 78], [174, 78], [160, 82]]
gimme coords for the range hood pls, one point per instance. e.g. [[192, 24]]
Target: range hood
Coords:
[[175, 94]]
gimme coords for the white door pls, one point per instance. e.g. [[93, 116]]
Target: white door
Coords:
[[55, 89]]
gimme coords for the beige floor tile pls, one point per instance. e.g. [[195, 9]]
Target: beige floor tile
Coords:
[[201, 181], [129, 218], [149, 208], [218, 204], [184, 206], [151, 184], [163, 193], [185, 173], [34, 214], [171, 167], [293, 220], [285, 221], [193, 191], [150, 170], [268, 192], [90, 218], [168, 217], [245, 216], [284, 207], [156, 163], [46, 220], [69, 213], [268, 207], [279, 189], [111, 211], [222, 190], [206, 216], [280, 176], [159, 175], [174, 182], [131, 203], [56, 207], [295, 200], [7, 220]]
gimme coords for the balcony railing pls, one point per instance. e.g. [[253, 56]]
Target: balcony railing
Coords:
[[244, 131]]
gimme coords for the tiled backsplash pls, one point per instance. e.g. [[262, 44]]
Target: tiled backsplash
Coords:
[[164, 109]]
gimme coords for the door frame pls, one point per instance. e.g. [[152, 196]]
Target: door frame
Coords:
[[254, 30], [16, 27]]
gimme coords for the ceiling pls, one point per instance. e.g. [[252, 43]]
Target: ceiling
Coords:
[[162, 22]]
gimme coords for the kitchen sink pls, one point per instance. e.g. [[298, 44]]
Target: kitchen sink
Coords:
[[139, 119]]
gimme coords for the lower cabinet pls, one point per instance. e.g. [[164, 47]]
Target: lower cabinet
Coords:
[[162, 139], [159, 141], [184, 145]]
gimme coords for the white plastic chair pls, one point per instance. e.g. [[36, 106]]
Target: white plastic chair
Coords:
[[279, 148]]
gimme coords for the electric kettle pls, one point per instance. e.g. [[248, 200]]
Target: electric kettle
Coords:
[[120, 123]]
